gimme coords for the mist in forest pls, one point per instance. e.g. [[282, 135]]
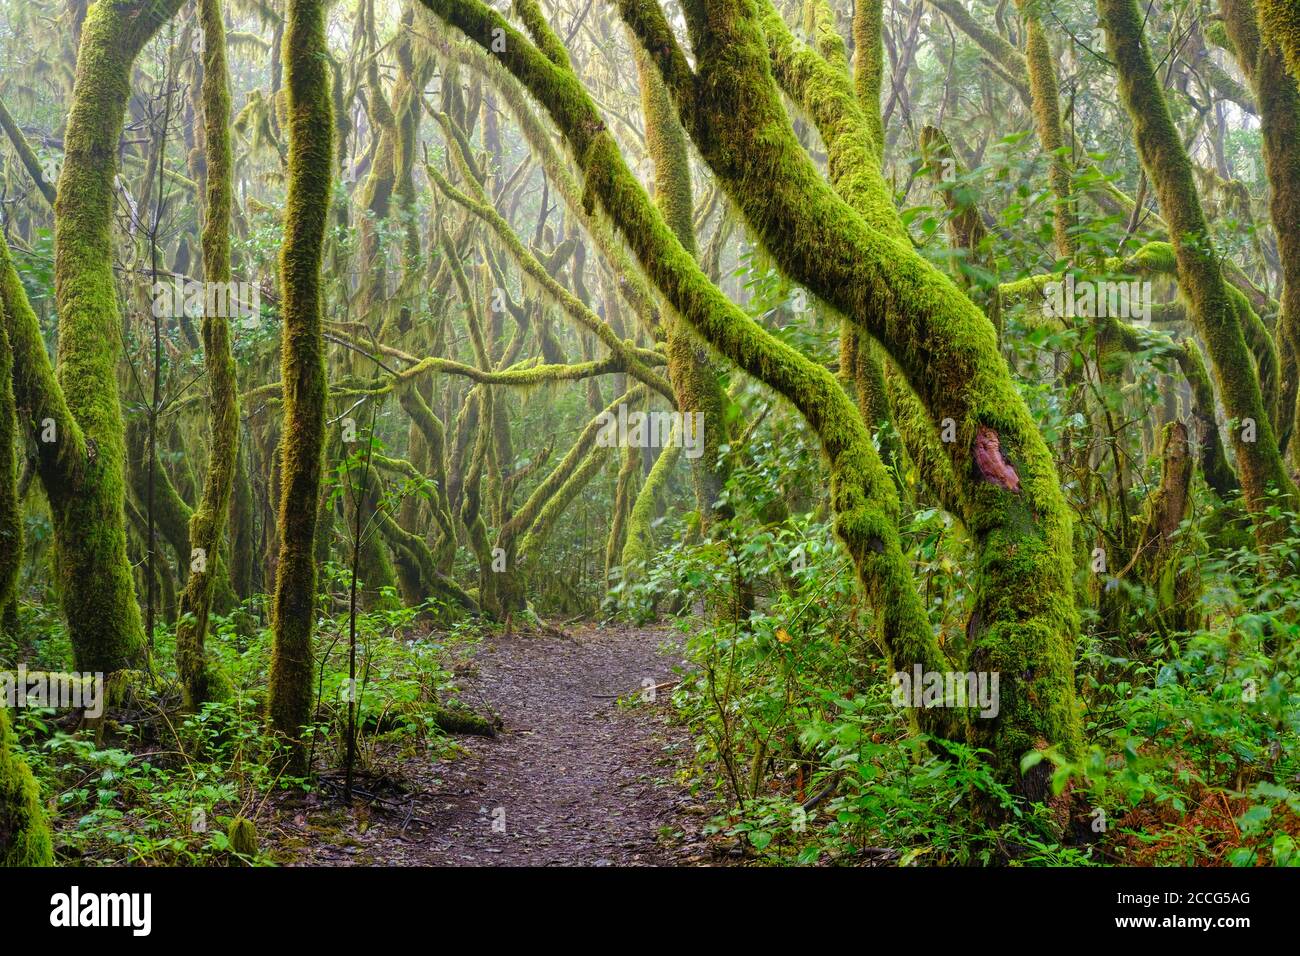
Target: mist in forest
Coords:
[[792, 433]]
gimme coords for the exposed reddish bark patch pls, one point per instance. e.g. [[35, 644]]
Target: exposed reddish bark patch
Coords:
[[992, 464]]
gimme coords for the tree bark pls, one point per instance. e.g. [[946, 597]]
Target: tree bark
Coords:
[[311, 129]]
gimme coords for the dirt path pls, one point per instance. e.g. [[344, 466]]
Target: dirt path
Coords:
[[574, 778]]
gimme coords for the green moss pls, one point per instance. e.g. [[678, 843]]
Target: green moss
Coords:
[[1044, 94], [869, 60], [26, 155], [1279, 20], [666, 144], [1278, 95], [89, 511], [11, 521], [24, 832], [242, 835], [1210, 304], [861, 491], [311, 128], [207, 524]]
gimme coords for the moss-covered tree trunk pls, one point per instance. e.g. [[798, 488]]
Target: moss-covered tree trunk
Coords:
[[1045, 97], [862, 494], [11, 520], [302, 356], [208, 523], [1278, 94], [861, 359], [1160, 550], [849, 247], [1280, 22], [1211, 305], [694, 380], [88, 505], [24, 832]]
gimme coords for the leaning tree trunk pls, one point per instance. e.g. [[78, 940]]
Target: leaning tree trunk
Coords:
[[311, 129], [862, 493], [848, 246], [207, 525]]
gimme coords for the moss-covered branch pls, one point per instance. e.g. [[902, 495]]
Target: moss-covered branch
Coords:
[[1041, 64], [694, 380], [859, 482], [941, 342], [26, 155], [571, 304]]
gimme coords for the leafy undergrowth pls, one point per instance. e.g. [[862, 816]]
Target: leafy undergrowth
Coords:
[[1192, 738], [152, 786]]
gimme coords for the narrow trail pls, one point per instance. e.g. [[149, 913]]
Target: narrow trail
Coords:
[[575, 778]]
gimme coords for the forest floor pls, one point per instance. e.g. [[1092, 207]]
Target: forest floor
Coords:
[[584, 772]]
